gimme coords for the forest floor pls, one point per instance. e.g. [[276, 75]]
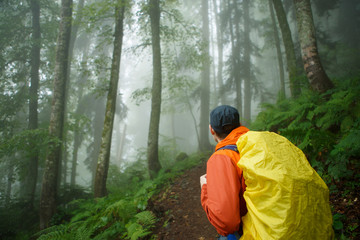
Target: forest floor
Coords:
[[181, 215], [180, 210]]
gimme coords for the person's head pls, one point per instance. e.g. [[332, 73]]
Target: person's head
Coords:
[[223, 119]]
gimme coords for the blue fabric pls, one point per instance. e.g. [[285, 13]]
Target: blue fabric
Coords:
[[234, 236], [231, 237], [230, 147]]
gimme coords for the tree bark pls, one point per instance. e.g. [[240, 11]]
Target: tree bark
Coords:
[[205, 81], [51, 170], [220, 49], [121, 145], [247, 64], [319, 81], [153, 137], [78, 138], [98, 125], [73, 37], [289, 48], [32, 174], [282, 94], [104, 156], [10, 180], [235, 52]]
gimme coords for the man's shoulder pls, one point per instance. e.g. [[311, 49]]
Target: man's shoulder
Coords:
[[223, 154]]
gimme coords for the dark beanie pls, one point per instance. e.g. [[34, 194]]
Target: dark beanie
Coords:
[[222, 116]]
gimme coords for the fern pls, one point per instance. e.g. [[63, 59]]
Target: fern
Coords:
[[121, 210], [54, 232], [146, 218], [141, 225]]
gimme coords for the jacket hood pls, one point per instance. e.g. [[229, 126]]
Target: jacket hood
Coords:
[[232, 138]]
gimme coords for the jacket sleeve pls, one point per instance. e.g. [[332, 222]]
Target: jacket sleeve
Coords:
[[220, 196]]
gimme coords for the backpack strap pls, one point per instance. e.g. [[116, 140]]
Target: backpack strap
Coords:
[[230, 147]]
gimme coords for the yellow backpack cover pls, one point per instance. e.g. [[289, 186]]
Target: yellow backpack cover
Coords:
[[285, 197]]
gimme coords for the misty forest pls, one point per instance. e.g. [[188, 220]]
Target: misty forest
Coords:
[[104, 106]]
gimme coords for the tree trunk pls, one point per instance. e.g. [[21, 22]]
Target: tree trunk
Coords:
[[247, 64], [289, 48], [104, 156], [219, 38], [205, 81], [73, 37], [153, 137], [50, 178], [282, 94], [10, 179], [121, 145], [319, 81], [80, 110], [235, 50], [32, 173], [98, 125], [77, 143]]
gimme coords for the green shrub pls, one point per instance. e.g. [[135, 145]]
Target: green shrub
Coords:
[[326, 127]]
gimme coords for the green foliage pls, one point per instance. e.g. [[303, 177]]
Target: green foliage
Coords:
[[17, 220], [17, 150], [123, 214], [141, 225], [326, 128], [341, 230]]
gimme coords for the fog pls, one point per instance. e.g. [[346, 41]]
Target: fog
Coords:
[[181, 49]]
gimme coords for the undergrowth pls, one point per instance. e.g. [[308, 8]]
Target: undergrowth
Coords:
[[327, 128], [123, 214]]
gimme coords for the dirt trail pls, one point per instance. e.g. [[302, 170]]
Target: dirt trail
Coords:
[[182, 216]]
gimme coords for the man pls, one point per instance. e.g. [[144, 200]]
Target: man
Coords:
[[258, 185], [223, 185]]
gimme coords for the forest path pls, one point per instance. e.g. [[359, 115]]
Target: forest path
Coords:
[[182, 214]]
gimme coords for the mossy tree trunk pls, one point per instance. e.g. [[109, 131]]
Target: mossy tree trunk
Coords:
[[104, 155], [289, 48], [52, 163], [318, 79], [153, 136]]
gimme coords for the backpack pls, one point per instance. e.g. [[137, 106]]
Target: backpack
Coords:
[[285, 197]]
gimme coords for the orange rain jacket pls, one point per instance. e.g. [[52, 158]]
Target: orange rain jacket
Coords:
[[222, 195]]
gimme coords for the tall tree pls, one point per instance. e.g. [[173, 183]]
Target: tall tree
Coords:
[[205, 81], [98, 124], [289, 48], [50, 178], [282, 94], [73, 37], [220, 49], [32, 173], [78, 136], [153, 136], [247, 63], [235, 40], [104, 155], [319, 81]]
